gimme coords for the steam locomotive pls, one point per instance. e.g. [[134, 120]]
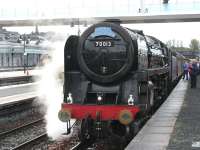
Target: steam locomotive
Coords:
[[114, 77]]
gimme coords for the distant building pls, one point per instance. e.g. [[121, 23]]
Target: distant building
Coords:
[[21, 50], [190, 54]]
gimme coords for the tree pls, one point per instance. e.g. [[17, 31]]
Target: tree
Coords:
[[169, 43], [194, 45], [173, 43], [181, 43], [176, 44]]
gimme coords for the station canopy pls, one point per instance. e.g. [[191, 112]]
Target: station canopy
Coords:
[[66, 11]]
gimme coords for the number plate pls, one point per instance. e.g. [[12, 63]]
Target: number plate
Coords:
[[103, 43]]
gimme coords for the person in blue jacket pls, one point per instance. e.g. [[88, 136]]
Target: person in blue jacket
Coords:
[[185, 69]]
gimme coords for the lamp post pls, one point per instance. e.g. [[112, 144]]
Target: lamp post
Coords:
[[24, 38], [12, 53], [79, 31]]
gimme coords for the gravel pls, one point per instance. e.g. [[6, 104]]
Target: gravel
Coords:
[[21, 116], [22, 135]]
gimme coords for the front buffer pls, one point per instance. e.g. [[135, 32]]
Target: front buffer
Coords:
[[123, 113], [101, 121]]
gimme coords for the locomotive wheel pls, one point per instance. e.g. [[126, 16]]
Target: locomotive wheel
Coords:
[[166, 88], [144, 96], [117, 128], [117, 135], [121, 135], [150, 94], [150, 101], [151, 97], [85, 133]]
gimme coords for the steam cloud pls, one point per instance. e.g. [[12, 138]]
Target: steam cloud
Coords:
[[51, 90]]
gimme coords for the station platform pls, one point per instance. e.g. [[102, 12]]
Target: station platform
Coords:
[[186, 133], [175, 125], [19, 77], [16, 98], [15, 93], [11, 74]]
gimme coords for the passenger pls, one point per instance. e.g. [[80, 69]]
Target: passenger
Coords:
[[185, 68], [189, 70], [193, 75], [198, 68]]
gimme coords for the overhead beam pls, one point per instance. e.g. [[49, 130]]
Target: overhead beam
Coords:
[[155, 18], [124, 19]]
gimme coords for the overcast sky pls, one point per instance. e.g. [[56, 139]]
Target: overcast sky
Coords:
[[169, 31], [163, 31]]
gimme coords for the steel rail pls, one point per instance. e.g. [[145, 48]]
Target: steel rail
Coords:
[[31, 142], [20, 127]]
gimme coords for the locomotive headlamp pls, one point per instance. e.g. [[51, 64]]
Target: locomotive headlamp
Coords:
[[99, 96], [125, 117], [69, 98], [64, 115], [131, 100]]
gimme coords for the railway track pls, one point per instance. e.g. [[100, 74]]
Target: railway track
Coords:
[[15, 114], [15, 107], [24, 135], [20, 127], [82, 146], [102, 145], [32, 142]]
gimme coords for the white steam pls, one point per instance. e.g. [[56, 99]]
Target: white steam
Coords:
[[51, 89]]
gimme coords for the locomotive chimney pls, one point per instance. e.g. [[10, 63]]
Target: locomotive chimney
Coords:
[[116, 21]]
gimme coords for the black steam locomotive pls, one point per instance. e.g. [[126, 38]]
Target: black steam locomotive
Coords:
[[114, 76]]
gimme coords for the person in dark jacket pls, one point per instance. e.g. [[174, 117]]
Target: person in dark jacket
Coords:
[[198, 68], [185, 69], [193, 75]]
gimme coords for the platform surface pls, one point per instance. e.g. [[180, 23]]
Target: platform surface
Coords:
[[17, 97], [13, 93], [186, 133], [11, 74], [155, 135]]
